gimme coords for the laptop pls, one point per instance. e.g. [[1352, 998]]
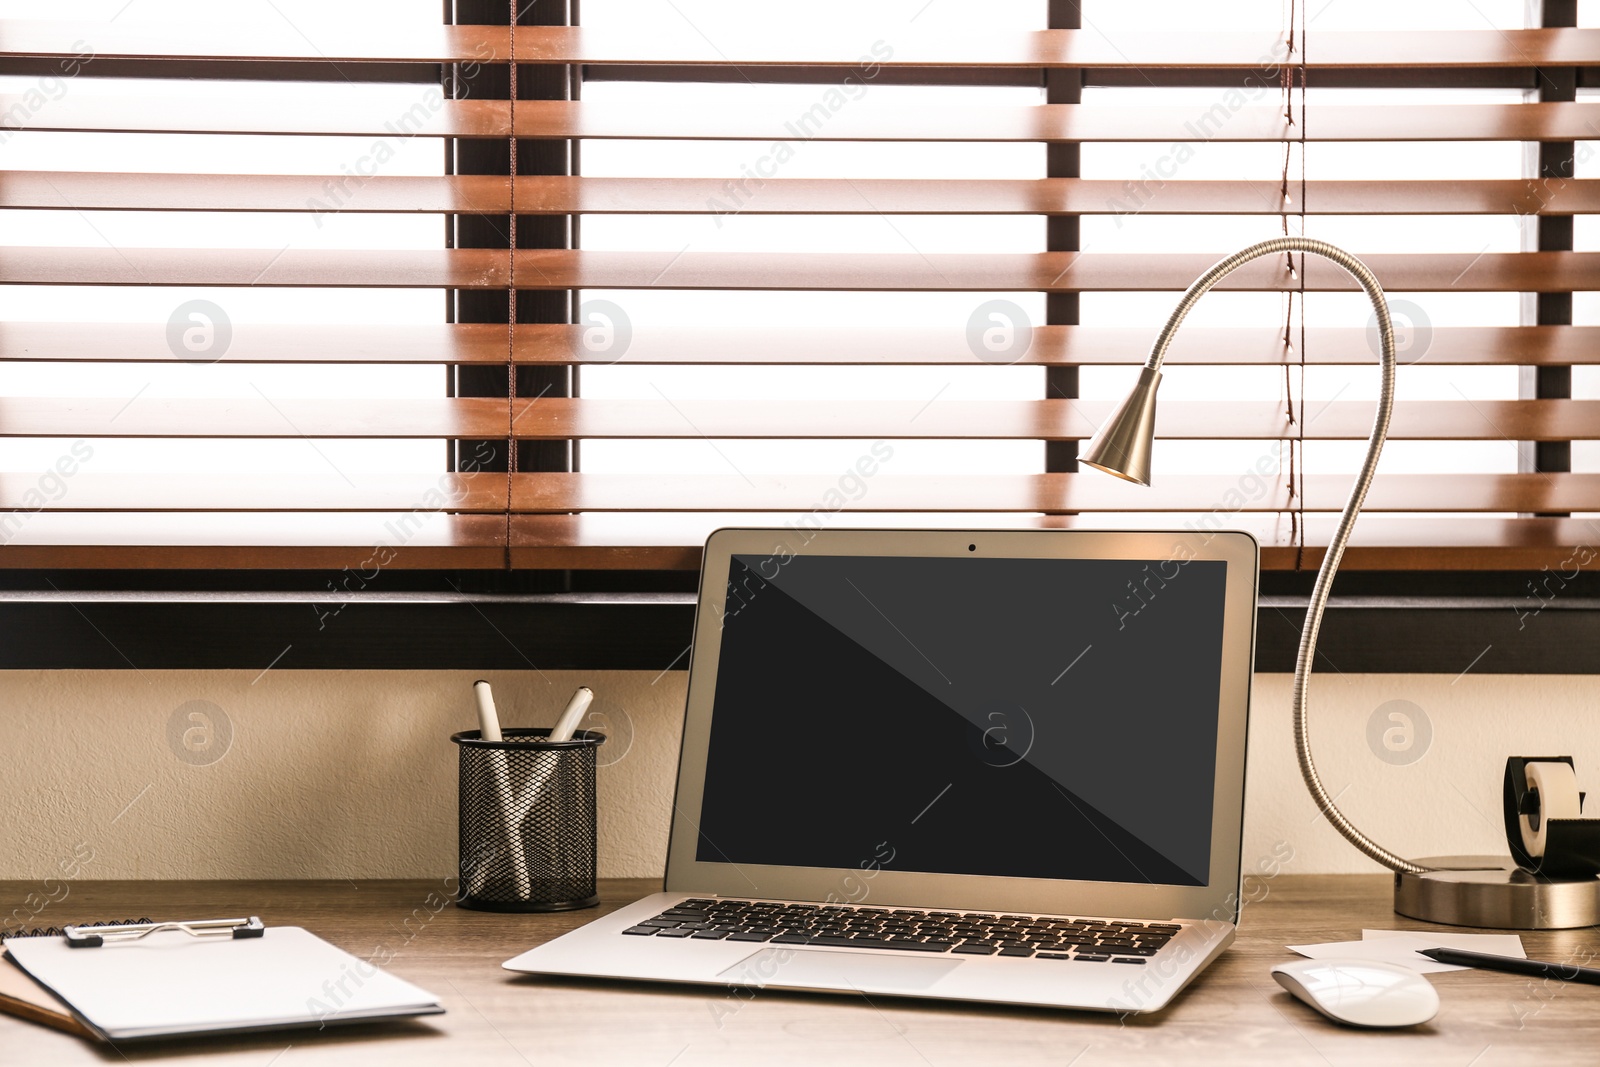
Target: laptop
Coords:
[[1003, 766]]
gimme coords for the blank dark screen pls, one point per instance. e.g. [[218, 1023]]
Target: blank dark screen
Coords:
[[1037, 718]]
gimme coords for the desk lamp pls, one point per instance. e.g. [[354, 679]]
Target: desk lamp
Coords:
[[1459, 890]]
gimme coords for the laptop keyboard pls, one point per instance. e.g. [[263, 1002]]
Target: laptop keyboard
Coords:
[[910, 930]]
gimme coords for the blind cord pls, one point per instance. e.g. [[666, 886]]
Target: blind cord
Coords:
[[1296, 419], [1286, 79], [1300, 423]]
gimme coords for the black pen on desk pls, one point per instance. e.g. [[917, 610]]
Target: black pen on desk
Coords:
[[1566, 972]]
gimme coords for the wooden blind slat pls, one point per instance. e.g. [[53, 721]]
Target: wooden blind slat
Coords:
[[389, 42], [602, 541], [311, 194], [376, 40], [1063, 493], [88, 540], [560, 418], [252, 417], [939, 272], [547, 344], [1052, 420], [256, 541], [557, 194], [429, 115], [485, 493]]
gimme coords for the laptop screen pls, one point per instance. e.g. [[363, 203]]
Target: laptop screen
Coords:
[[1023, 718]]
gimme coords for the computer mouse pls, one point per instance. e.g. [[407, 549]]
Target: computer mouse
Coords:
[[1361, 992]]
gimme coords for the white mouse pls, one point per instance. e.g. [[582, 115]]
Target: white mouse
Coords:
[[1361, 992]]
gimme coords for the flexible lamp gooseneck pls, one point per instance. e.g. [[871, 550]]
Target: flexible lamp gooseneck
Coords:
[[1463, 890], [1123, 445]]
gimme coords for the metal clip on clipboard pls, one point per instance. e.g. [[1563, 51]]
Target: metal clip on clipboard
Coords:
[[95, 936]]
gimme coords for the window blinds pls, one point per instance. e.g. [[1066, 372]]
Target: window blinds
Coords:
[[546, 514]]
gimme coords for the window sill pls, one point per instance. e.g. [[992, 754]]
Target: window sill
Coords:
[[419, 630]]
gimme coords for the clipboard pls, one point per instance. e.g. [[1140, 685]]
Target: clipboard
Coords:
[[147, 980], [26, 999], [21, 996]]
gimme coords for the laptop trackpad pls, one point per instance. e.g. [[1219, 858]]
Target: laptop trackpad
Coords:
[[828, 969]]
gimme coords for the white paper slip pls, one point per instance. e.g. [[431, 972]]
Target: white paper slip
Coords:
[[1402, 947], [171, 983]]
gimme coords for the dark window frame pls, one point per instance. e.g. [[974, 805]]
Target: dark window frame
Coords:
[[1415, 622]]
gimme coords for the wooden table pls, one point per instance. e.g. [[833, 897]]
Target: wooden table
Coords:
[[1234, 1013]]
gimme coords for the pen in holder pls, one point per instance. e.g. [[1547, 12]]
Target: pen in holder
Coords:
[[527, 821]]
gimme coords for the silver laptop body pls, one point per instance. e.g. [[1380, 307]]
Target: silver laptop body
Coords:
[[996, 765]]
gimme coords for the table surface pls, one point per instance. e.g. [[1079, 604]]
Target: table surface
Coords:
[[1234, 1012]]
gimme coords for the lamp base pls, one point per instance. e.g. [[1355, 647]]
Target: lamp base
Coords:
[[1493, 892]]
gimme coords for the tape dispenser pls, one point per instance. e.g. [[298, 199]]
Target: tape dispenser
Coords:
[[1545, 827]]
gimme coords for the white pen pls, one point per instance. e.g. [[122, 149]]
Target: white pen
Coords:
[[488, 720], [567, 723], [504, 798]]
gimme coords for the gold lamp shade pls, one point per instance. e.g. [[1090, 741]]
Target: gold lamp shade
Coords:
[[1122, 447]]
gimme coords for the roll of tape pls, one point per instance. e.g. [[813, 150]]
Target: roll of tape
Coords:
[[1557, 787]]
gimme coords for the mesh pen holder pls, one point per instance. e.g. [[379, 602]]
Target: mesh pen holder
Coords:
[[527, 821]]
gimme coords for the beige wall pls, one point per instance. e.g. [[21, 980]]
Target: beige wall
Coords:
[[352, 775]]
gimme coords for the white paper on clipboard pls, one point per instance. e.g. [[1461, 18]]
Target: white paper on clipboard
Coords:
[[171, 983]]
